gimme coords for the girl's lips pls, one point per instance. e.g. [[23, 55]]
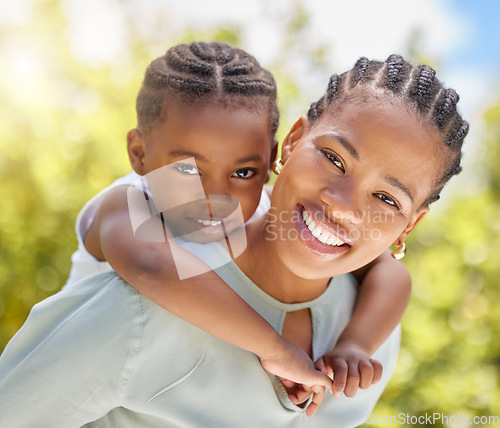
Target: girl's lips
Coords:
[[215, 227], [193, 229], [206, 222], [312, 243]]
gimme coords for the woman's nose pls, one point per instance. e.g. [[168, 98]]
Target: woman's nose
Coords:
[[343, 202]]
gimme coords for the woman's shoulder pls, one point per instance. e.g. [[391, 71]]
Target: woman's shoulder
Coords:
[[102, 299]]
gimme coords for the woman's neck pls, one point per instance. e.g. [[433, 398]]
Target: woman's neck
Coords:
[[261, 263]]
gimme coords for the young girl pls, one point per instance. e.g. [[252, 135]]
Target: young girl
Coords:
[[214, 103], [383, 141]]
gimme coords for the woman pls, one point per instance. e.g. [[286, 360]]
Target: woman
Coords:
[[357, 174]]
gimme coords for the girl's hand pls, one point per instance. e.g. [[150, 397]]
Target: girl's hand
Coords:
[[350, 368], [299, 393], [297, 373]]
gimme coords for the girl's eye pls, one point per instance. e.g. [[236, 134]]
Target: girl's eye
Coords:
[[244, 173], [187, 169], [334, 159], [388, 200]]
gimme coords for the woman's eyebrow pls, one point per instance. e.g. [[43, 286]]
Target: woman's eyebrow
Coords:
[[396, 183], [345, 143]]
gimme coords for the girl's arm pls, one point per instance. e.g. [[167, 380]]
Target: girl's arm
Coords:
[[384, 293], [205, 301]]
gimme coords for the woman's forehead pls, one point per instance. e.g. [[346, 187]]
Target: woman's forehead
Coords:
[[386, 137]]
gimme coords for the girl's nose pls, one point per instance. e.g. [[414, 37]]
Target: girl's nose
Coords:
[[343, 201], [215, 186]]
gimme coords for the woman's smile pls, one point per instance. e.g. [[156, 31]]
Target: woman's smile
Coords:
[[319, 234]]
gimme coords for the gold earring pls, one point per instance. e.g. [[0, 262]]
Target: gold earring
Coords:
[[277, 166], [400, 252]]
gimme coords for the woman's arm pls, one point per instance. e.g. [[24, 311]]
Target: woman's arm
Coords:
[[205, 301], [384, 293]]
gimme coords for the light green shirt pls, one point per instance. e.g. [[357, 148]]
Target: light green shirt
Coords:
[[100, 351]]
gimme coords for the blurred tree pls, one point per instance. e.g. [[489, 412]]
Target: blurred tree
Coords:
[[61, 138]]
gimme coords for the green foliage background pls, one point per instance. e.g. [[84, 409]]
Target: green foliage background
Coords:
[[62, 138]]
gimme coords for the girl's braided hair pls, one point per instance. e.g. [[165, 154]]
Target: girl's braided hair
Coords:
[[206, 72]]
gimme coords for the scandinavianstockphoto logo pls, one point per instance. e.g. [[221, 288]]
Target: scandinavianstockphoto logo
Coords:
[[169, 204], [440, 419], [317, 224]]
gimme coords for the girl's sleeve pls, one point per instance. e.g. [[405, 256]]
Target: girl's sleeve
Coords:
[[70, 362]]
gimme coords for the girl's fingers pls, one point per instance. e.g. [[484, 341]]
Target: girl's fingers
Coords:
[[352, 383], [340, 371], [377, 370], [317, 399], [286, 383], [366, 372]]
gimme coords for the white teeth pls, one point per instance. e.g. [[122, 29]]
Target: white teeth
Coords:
[[207, 222], [323, 238], [321, 234], [331, 240], [316, 231]]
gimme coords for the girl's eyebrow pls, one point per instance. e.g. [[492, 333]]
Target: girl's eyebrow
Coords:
[[345, 143], [197, 156], [251, 158], [396, 183], [186, 154]]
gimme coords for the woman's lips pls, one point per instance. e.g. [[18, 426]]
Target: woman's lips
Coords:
[[319, 234]]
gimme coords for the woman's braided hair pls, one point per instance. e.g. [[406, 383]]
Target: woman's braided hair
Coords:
[[414, 86], [206, 72]]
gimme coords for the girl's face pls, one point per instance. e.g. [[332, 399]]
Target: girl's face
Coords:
[[206, 166], [352, 185]]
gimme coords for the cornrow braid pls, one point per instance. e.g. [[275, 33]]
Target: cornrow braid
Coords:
[[424, 87], [398, 72], [332, 88], [445, 108], [417, 87], [210, 72], [358, 71]]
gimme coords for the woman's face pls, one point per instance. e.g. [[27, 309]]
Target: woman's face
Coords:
[[352, 185]]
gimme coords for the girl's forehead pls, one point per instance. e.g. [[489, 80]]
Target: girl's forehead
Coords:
[[211, 131]]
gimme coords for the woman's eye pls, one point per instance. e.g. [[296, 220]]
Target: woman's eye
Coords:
[[187, 169], [244, 173], [388, 200], [334, 159]]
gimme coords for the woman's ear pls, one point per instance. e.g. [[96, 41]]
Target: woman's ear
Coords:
[[291, 140], [136, 147], [415, 219]]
